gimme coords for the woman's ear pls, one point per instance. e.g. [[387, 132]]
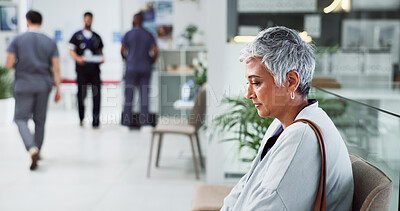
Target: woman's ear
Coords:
[[292, 80]]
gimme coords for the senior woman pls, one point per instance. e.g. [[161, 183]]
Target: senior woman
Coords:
[[286, 172]]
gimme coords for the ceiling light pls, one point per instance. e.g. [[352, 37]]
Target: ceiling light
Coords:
[[304, 36], [243, 39], [332, 6], [338, 5]]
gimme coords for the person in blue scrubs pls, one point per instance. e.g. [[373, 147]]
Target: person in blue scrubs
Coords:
[[139, 50]]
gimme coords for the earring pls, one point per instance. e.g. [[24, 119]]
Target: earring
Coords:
[[292, 95]]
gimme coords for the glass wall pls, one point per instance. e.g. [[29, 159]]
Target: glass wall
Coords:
[[370, 127], [368, 121], [357, 41]]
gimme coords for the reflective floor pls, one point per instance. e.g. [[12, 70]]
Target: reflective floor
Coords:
[[86, 169]]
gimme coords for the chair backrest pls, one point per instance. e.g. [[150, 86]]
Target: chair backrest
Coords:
[[197, 115], [372, 188]]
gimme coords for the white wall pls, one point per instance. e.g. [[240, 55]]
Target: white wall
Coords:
[[129, 8], [215, 39], [225, 78], [5, 37], [188, 12], [23, 7]]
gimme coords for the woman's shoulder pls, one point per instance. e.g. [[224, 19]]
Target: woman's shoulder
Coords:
[[318, 116]]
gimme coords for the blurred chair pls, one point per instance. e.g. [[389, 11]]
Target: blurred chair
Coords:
[[209, 197], [189, 127], [372, 188]]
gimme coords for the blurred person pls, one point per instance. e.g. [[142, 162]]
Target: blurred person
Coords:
[[285, 174], [86, 48], [37, 66], [139, 50]]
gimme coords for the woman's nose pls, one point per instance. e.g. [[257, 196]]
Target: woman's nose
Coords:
[[250, 93]]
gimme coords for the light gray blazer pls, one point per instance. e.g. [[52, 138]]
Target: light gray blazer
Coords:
[[288, 176]]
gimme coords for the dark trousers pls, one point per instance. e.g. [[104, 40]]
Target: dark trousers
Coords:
[[84, 79], [27, 106], [140, 80]]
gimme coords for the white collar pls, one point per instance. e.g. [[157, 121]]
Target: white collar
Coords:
[[307, 111], [87, 34], [36, 30]]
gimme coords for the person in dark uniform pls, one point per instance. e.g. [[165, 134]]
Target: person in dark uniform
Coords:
[[86, 49]]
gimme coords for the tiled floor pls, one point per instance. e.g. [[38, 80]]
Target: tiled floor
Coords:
[[86, 169]]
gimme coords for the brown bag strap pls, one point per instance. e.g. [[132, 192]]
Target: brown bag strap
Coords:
[[320, 200]]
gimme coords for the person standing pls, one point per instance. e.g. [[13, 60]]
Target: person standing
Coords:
[[37, 66], [139, 50], [86, 49]]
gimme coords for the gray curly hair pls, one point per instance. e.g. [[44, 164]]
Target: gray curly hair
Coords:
[[282, 50]]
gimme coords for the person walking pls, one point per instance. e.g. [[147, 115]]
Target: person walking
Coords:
[[139, 50], [86, 48], [37, 66]]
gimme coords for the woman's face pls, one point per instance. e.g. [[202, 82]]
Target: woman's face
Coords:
[[268, 98]]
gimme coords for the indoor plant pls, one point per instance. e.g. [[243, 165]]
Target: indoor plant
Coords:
[[200, 74], [6, 100], [5, 83], [243, 120], [190, 30]]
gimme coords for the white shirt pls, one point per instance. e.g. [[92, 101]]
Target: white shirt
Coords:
[[87, 34], [287, 178]]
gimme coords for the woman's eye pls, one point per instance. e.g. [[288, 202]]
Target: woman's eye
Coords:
[[255, 84]]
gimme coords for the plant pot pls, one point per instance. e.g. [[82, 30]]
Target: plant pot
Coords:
[[6, 110]]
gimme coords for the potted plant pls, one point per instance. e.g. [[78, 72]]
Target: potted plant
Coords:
[[6, 99], [247, 127], [190, 30], [200, 73]]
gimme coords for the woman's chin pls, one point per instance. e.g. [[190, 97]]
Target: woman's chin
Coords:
[[262, 114]]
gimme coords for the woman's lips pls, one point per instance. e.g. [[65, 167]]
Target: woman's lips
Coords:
[[257, 105]]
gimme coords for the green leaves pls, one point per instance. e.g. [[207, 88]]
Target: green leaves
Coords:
[[243, 121], [6, 81], [189, 32], [200, 74]]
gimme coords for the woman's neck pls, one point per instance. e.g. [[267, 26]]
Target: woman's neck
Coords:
[[292, 110]]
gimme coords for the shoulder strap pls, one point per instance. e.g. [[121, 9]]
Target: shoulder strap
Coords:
[[320, 200]]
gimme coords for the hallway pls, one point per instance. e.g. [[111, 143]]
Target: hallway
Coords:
[[85, 169]]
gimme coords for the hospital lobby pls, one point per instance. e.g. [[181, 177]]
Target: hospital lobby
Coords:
[[202, 135]]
